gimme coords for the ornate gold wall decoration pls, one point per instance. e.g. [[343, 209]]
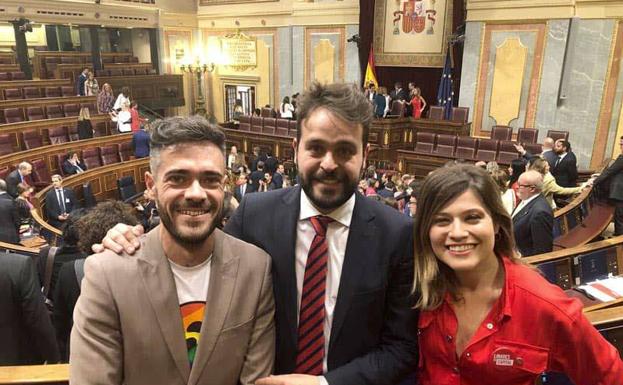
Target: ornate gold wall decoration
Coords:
[[324, 61], [508, 74], [313, 39]]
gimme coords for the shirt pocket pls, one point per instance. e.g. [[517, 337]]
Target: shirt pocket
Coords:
[[518, 362]]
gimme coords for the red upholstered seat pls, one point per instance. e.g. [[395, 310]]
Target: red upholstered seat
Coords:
[[68, 60], [425, 142], [52, 92], [71, 109], [446, 145], [533, 148], [6, 144], [110, 154], [141, 71], [466, 147], [18, 75], [54, 111], [128, 72], [116, 72], [292, 128], [107, 59], [245, 123], [501, 132], [32, 139], [91, 106], [125, 151], [103, 72], [527, 135], [40, 174], [256, 124], [5, 76], [557, 134], [267, 112], [58, 135], [487, 149], [268, 126], [282, 127], [72, 133], [35, 113], [13, 115], [435, 113], [57, 160], [4, 171], [459, 114], [505, 157], [68, 91], [31, 92], [100, 129], [397, 110], [91, 157], [12, 93]]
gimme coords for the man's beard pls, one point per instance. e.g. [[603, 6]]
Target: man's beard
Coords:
[[185, 240], [348, 188]]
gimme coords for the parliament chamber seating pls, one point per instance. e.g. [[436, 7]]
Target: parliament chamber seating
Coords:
[[12, 93], [425, 142], [245, 123], [527, 135], [72, 133], [282, 127], [110, 154], [507, 152], [256, 124], [459, 114], [466, 147], [557, 134], [397, 110], [100, 129], [266, 112], [6, 144], [52, 92], [435, 113], [18, 75], [126, 152], [292, 128], [58, 135], [91, 157], [268, 126], [35, 113], [40, 174], [533, 148], [54, 111], [501, 132], [31, 92], [12, 115], [68, 91], [487, 149], [31, 139], [446, 145], [5, 76], [71, 109]]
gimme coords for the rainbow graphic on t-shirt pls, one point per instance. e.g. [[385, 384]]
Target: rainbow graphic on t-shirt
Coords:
[[192, 318]]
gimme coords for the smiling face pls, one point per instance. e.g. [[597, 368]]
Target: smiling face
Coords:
[[329, 156], [188, 189], [462, 234]]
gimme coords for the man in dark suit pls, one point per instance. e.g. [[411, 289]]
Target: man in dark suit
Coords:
[[140, 143], [59, 202], [270, 164], [27, 334], [533, 219], [72, 165], [82, 78], [16, 177], [398, 93], [565, 166], [547, 152], [342, 264], [9, 217], [242, 187], [256, 176], [612, 177], [278, 177]]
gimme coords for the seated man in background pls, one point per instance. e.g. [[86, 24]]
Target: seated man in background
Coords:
[[59, 202], [26, 332], [73, 165]]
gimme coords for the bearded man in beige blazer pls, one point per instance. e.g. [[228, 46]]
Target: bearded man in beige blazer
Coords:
[[194, 305]]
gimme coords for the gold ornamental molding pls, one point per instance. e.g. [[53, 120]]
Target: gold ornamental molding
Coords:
[[508, 74], [508, 10]]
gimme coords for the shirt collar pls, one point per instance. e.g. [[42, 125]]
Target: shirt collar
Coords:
[[342, 214], [562, 156]]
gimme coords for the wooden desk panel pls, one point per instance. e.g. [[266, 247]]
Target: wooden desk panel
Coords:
[[41, 84], [154, 91], [122, 66], [9, 68], [38, 60], [70, 71], [42, 102]]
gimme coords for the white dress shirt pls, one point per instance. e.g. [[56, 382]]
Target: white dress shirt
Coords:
[[337, 237], [523, 204]]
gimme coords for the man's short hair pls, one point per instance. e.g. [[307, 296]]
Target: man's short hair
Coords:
[[94, 225], [346, 101], [2, 185], [565, 143], [24, 166], [260, 165], [176, 130], [56, 176]]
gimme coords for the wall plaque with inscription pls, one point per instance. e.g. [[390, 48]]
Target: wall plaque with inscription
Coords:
[[239, 51]]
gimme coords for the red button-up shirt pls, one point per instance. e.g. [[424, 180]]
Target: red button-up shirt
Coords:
[[532, 328]]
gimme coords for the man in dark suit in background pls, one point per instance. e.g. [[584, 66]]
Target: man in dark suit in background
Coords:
[[9, 217], [27, 334], [242, 187], [270, 164], [342, 264], [398, 93], [59, 202], [256, 176], [565, 166], [533, 219], [140, 143], [72, 165], [278, 177], [82, 78], [613, 178], [16, 177]]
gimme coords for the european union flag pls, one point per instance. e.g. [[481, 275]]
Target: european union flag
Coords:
[[445, 95]]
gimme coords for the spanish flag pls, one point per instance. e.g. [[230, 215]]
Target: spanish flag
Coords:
[[370, 75]]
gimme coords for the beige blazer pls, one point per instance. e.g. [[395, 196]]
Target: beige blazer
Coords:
[[128, 327], [550, 188]]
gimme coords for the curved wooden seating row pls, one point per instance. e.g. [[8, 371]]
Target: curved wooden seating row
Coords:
[[75, 102], [44, 62], [9, 67], [38, 84], [101, 124], [8, 58]]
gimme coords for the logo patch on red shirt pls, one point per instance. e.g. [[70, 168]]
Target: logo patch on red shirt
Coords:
[[503, 357]]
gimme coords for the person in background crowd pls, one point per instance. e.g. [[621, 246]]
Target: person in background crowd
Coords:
[[122, 99], [387, 191], [9, 216], [124, 119], [26, 331], [479, 304], [270, 163], [256, 176], [80, 231], [550, 187], [533, 218], [80, 82], [565, 168], [380, 102], [370, 92], [17, 176], [418, 104], [85, 129], [266, 183], [286, 109], [507, 194], [516, 168], [148, 211], [492, 167], [547, 152], [105, 100], [23, 204], [137, 121], [91, 87], [294, 105], [278, 177], [140, 143], [59, 202], [612, 179], [256, 157], [72, 165], [412, 204], [242, 187], [238, 111], [235, 159], [257, 112], [398, 93]]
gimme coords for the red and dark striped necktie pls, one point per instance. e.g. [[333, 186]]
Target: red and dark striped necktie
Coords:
[[311, 315]]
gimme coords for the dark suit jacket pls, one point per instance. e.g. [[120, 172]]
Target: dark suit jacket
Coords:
[[70, 169], [238, 194], [566, 173], [254, 179], [550, 156], [613, 177], [27, 334], [277, 181], [373, 336], [53, 209], [12, 180], [533, 226], [400, 95], [9, 220], [65, 295], [140, 144], [379, 105], [271, 164], [80, 84]]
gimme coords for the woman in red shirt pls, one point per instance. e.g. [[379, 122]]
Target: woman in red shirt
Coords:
[[135, 124], [486, 318], [418, 104]]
